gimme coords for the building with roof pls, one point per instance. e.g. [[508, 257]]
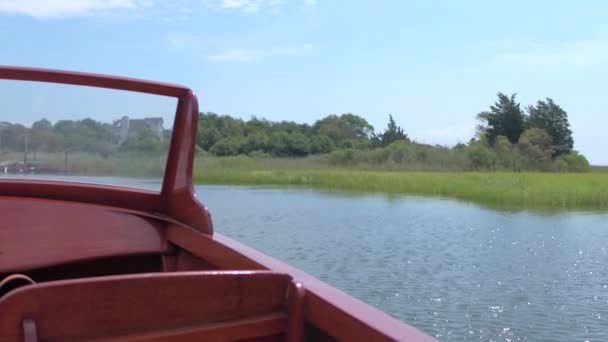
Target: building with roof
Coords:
[[126, 127]]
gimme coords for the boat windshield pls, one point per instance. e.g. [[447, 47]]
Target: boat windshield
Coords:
[[74, 133]]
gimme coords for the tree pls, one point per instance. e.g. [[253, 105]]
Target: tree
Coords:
[[553, 119], [255, 125], [12, 136], [298, 144], [504, 151], [573, 162], [42, 124], [144, 142], [258, 141], [321, 144], [344, 127], [279, 144], [358, 125], [392, 133], [230, 146], [43, 138], [207, 136], [207, 133], [504, 118], [536, 145], [85, 135], [481, 157]]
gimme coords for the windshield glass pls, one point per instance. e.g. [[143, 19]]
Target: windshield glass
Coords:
[[83, 134]]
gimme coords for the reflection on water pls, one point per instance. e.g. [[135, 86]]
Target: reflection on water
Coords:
[[452, 269]]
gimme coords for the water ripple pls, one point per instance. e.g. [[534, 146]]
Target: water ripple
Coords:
[[453, 270]]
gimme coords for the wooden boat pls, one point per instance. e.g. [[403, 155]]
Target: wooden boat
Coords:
[[93, 262]]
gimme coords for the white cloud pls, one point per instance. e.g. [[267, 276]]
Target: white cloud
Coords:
[[66, 8], [255, 6], [247, 6], [246, 55], [252, 6], [574, 53]]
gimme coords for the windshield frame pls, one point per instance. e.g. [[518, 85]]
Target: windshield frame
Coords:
[[176, 199]]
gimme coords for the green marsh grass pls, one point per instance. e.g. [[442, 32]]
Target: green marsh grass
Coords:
[[587, 191]]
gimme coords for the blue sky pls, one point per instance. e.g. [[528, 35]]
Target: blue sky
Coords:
[[432, 64]]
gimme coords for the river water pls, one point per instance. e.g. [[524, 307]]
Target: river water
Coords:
[[455, 270]]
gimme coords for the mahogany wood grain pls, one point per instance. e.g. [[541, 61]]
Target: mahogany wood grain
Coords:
[[91, 79], [38, 233], [178, 196], [124, 305], [205, 247], [295, 302], [271, 326], [188, 262], [125, 198]]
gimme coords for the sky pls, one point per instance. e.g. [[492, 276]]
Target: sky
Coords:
[[433, 65]]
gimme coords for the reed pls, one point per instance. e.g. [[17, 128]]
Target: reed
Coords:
[[496, 189]]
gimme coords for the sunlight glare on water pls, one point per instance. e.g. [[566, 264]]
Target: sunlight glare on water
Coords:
[[452, 269]]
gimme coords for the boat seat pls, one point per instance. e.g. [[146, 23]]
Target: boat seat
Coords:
[[184, 306]]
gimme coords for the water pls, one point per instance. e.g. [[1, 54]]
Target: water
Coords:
[[452, 269]]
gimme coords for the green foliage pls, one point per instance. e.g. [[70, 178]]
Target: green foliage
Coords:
[[402, 155], [12, 137], [258, 154], [282, 139], [298, 144], [230, 146], [42, 124], [504, 118], [144, 142], [572, 162], [256, 141], [554, 120], [481, 158], [343, 157], [546, 137], [501, 143], [279, 144], [508, 156], [391, 134], [321, 144], [536, 146], [343, 127]]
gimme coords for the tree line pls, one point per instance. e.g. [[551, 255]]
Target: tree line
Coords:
[[508, 137], [224, 135], [66, 136]]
